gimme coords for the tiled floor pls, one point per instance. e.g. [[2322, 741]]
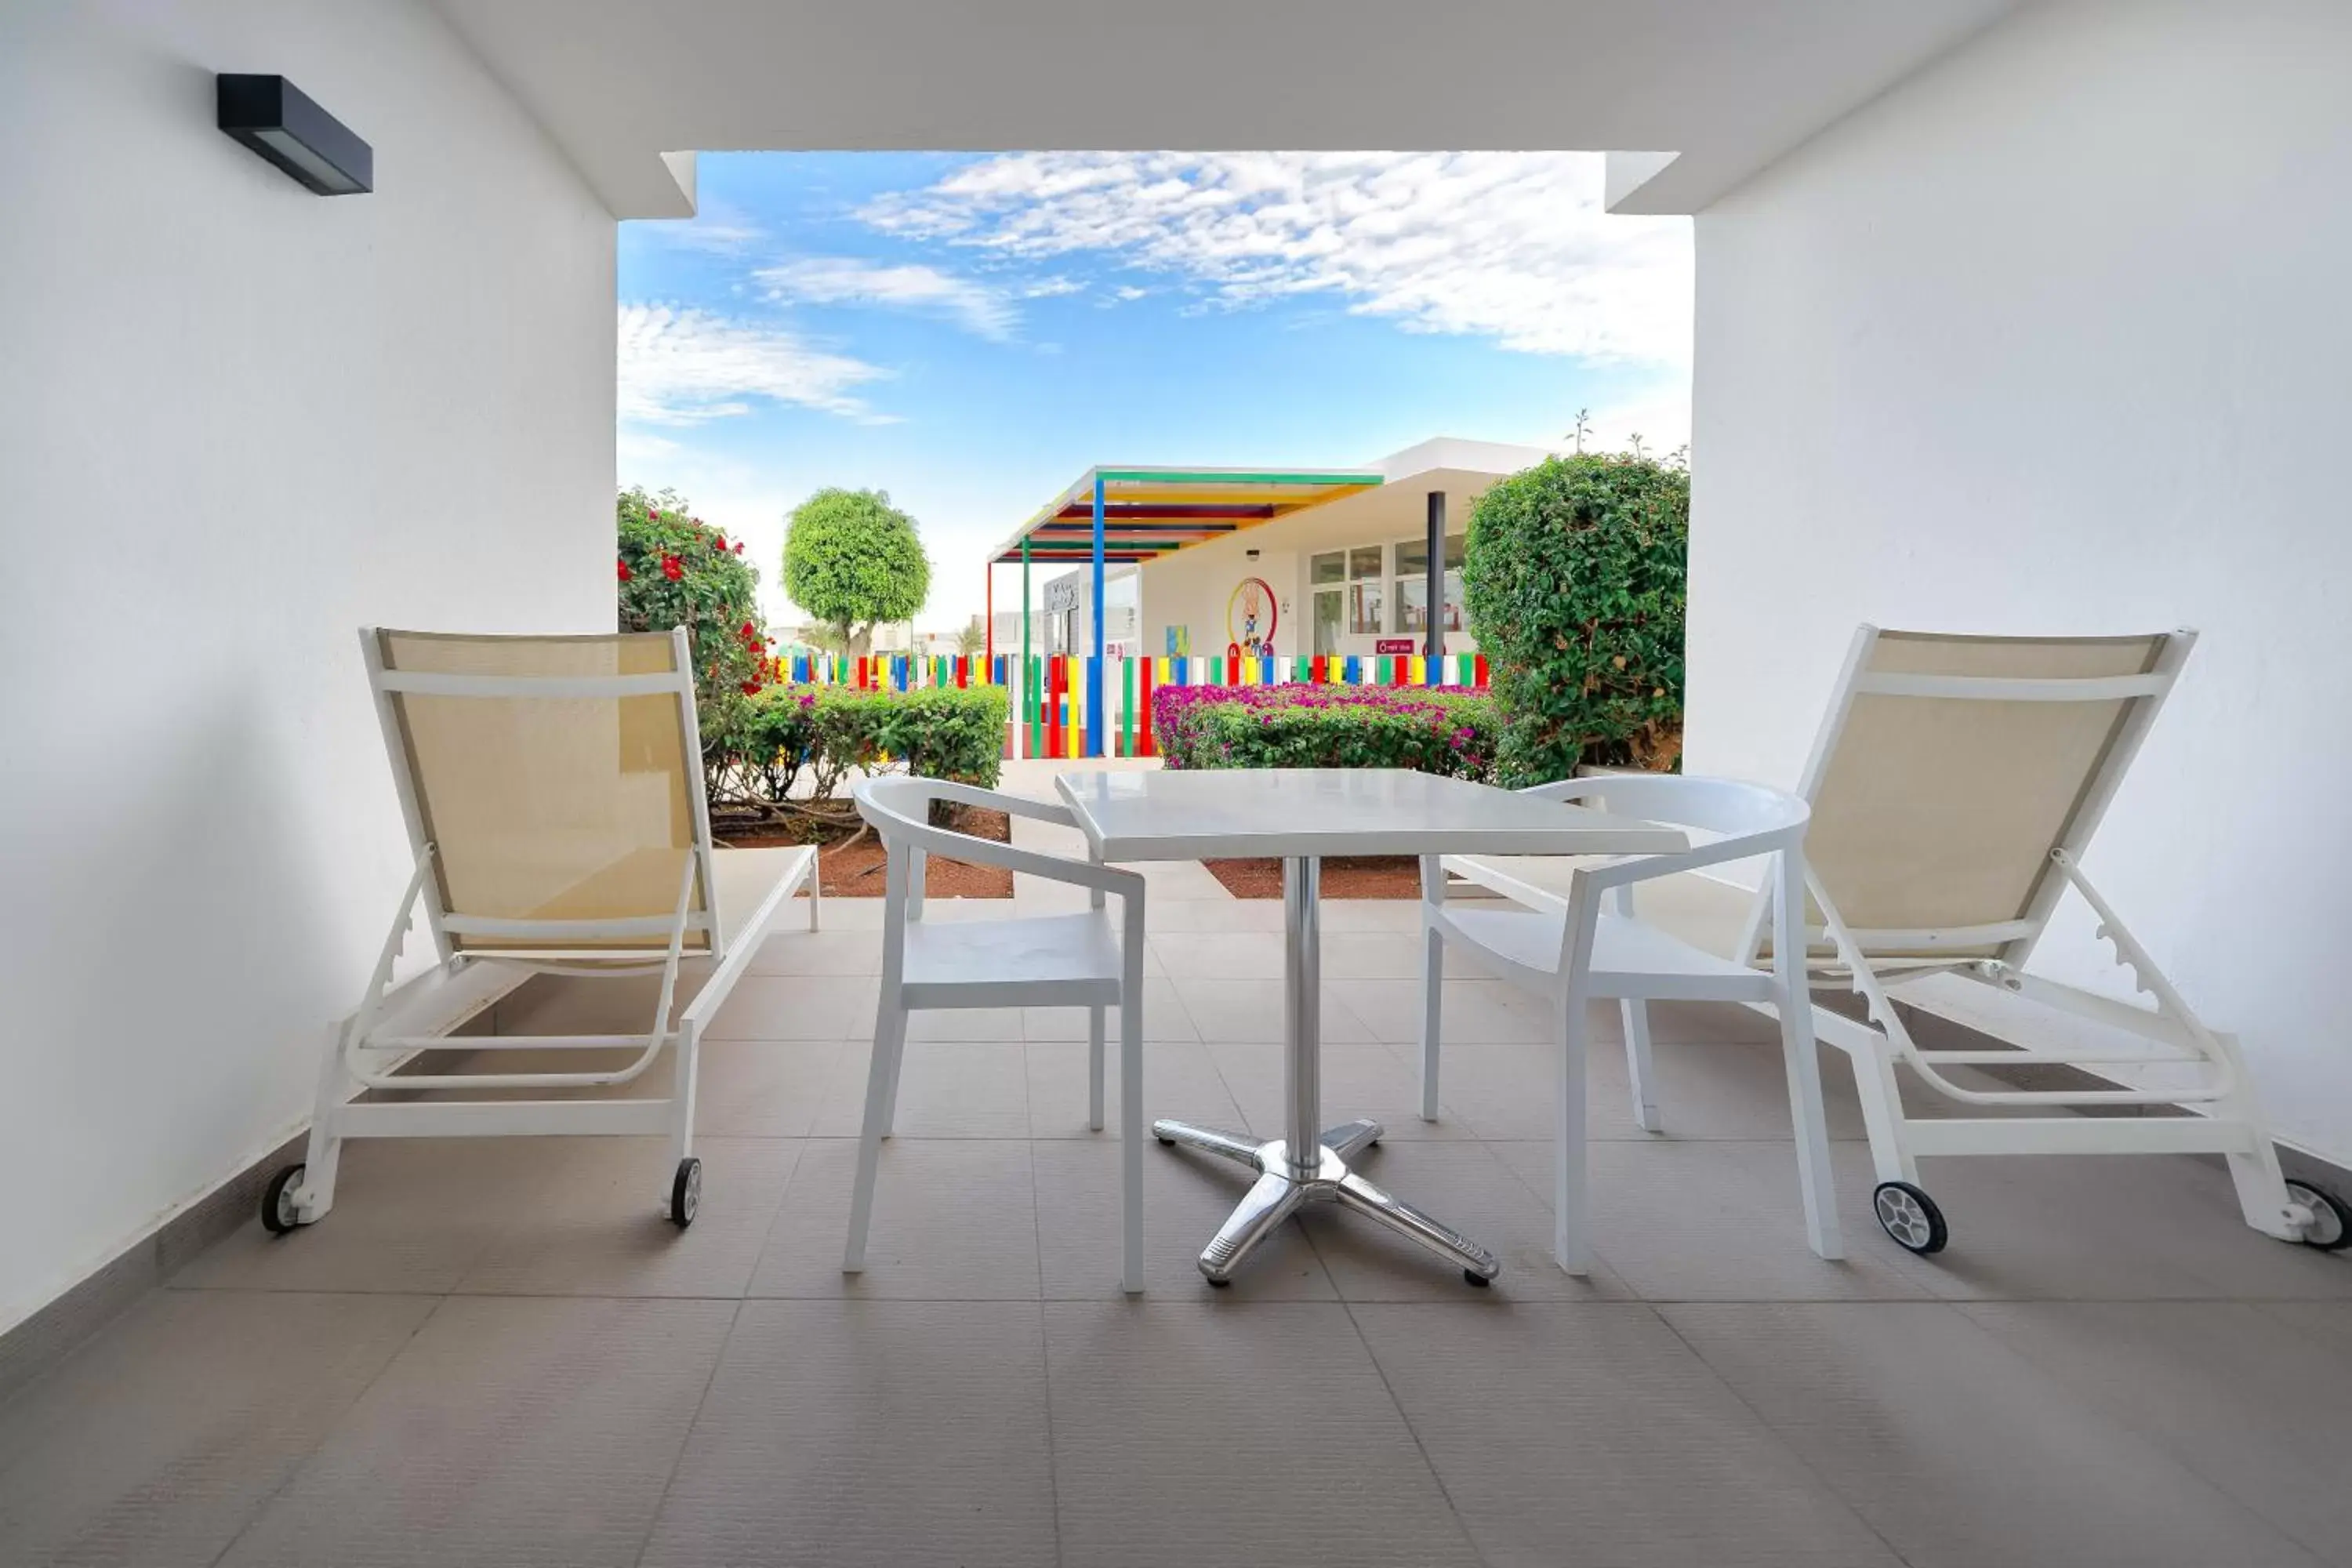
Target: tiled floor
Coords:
[[498, 1352]]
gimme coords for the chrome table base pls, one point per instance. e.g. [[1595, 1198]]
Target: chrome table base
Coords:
[[1284, 1186], [1280, 1191]]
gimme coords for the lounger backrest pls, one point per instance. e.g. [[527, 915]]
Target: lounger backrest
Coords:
[[559, 782], [1950, 767]]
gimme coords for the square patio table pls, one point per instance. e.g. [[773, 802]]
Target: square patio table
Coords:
[[1300, 815]]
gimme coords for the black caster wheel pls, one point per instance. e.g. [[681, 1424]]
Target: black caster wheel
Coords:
[[686, 1193], [1470, 1277], [2331, 1227], [1218, 1284], [278, 1212], [1911, 1217], [1164, 1142]]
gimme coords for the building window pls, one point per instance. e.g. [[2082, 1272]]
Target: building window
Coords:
[[1326, 577], [1413, 584], [1367, 590]]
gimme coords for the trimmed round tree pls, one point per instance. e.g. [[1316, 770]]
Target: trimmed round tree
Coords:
[[676, 571], [853, 561], [1576, 576]]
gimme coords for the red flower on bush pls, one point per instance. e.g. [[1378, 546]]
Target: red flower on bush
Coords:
[[625, 571], [738, 549], [751, 688], [751, 632], [721, 541], [673, 568]]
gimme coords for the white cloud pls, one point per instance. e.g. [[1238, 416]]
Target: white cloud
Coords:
[[845, 280], [686, 366], [719, 227], [1510, 246], [1052, 288]]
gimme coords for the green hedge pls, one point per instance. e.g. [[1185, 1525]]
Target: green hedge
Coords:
[[945, 733], [1577, 580], [1446, 729]]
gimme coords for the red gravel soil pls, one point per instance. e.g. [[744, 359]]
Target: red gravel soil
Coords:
[[1344, 876], [851, 868]]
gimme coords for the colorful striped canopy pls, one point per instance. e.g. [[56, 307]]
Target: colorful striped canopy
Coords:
[[1152, 512]]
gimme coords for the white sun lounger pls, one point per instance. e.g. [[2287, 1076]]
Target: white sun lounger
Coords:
[[1955, 786], [552, 788]]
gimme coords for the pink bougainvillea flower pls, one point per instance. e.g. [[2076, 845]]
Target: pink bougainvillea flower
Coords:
[[673, 568], [738, 549], [625, 571]]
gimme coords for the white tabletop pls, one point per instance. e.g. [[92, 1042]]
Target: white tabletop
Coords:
[[1217, 813]]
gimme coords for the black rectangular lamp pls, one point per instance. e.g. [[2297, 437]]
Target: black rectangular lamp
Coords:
[[278, 120]]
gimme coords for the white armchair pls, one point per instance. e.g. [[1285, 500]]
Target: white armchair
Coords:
[[1085, 960], [1588, 945]]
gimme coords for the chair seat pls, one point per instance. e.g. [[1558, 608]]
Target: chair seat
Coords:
[[1040, 961], [1630, 957], [1707, 914]]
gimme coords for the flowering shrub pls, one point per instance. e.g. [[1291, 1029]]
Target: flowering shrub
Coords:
[[1448, 730], [941, 732], [676, 572]]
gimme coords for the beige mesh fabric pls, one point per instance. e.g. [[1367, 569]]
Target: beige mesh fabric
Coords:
[[1941, 812], [550, 807]]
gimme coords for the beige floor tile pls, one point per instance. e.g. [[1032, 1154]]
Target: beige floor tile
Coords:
[[963, 1024], [1367, 914], [1718, 1091], [887, 1433], [797, 1007], [1186, 1196], [1370, 954], [509, 1430], [1164, 1017], [1177, 1439], [953, 1220], [1960, 1452], [1476, 1011], [156, 1441], [1252, 1010], [764, 1089], [411, 1215], [1356, 1080], [1218, 956], [2216, 1385], [1468, 1187], [2108, 1226], [1592, 1435], [604, 1229], [947, 1089], [843, 913], [1180, 1080], [1179, 879], [1220, 912], [1718, 1221], [835, 952]]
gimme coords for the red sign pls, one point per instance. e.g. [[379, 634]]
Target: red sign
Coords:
[[1394, 644]]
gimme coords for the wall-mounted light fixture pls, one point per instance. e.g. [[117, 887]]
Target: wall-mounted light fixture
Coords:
[[278, 120]]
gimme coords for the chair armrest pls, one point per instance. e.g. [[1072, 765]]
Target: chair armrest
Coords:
[[1011, 805]]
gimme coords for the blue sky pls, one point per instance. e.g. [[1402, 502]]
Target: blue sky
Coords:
[[971, 332]]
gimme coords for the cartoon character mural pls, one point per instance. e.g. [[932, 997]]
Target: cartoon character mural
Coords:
[[1250, 618]]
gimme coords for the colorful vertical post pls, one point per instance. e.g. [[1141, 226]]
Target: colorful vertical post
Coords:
[[1095, 614]]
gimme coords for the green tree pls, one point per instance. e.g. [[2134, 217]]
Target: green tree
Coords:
[[972, 636], [853, 560], [1577, 578]]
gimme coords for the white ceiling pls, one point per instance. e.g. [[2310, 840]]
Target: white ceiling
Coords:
[[1729, 84]]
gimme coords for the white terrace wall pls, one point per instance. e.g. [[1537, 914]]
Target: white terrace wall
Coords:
[[2055, 338], [236, 420]]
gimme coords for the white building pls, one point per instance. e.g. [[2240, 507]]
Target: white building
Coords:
[[1344, 571]]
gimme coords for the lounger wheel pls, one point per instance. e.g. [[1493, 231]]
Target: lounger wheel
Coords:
[[1472, 1277], [1911, 1217], [279, 1213], [2331, 1227], [686, 1193]]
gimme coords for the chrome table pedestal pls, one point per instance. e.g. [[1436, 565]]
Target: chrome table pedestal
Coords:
[[1285, 1185]]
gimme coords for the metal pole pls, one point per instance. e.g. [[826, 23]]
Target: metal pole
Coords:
[[1028, 697], [1095, 670], [1302, 1015], [988, 620], [1434, 642]]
